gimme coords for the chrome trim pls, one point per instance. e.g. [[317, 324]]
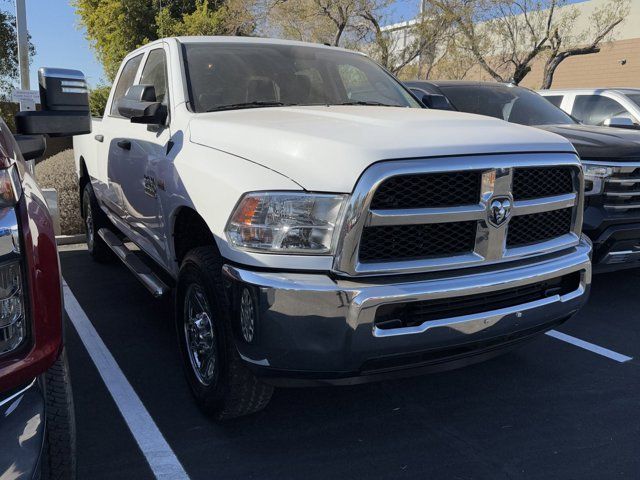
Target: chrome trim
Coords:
[[490, 246], [622, 256], [315, 295], [620, 168], [545, 204], [22, 391], [61, 73], [9, 232], [378, 218]]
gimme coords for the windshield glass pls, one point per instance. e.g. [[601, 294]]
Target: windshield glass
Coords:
[[634, 97], [513, 104], [224, 76]]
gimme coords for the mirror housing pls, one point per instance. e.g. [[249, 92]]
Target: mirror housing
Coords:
[[140, 105], [620, 122], [64, 101], [434, 101], [31, 146]]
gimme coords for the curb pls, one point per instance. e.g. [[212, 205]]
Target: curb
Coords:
[[70, 239]]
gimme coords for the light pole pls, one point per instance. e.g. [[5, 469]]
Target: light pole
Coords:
[[23, 46]]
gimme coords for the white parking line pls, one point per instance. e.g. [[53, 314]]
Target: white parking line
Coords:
[[605, 352], [163, 462]]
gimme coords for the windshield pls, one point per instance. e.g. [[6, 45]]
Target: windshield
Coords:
[[223, 76], [634, 97], [513, 104]]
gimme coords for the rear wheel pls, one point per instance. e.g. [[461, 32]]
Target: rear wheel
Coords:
[[94, 220], [222, 385], [59, 455]]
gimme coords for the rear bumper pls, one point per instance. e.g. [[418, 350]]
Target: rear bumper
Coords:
[[313, 328], [22, 425]]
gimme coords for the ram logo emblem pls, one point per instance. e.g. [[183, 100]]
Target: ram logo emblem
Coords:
[[499, 211]]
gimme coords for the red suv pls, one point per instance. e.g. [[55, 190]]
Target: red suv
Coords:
[[37, 426]]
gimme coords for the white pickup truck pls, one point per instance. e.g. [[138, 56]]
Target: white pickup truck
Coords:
[[317, 225]]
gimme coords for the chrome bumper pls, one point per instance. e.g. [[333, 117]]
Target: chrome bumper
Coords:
[[312, 323], [22, 425]]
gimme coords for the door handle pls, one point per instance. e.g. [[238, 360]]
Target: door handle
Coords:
[[99, 138], [124, 144]]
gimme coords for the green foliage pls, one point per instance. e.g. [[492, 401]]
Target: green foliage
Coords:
[[204, 20], [116, 27], [98, 100], [9, 53]]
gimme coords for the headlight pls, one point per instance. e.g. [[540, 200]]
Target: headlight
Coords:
[[594, 176], [286, 222], [13, 329], [13, 326]]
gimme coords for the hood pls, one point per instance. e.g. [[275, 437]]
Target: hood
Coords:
[[327, 148], [601, 143]]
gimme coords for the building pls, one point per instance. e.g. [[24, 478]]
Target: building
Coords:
[[616, 65]]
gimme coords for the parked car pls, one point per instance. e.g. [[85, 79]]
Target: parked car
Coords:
[[37, 425], [318, 225], [611, 159], [611, 107]]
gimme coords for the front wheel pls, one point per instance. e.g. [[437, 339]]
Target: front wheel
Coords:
[[59, 455], [222, 385]]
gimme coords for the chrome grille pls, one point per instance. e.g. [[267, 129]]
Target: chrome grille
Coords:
[[622, 189], [443, 234]]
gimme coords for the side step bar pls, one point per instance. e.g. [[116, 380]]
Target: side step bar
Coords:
[[142, 272]]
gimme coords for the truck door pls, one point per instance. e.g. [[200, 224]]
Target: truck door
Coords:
[[137, 153], [108, 185]]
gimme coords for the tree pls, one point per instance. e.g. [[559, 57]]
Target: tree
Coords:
[[9, 71], [564, 43], [395, 49], [98, 100], [506, 36], [116, 27], [359, 25]]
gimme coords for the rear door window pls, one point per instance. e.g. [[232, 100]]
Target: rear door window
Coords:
[[126, 79], [595, 109], [554, 99]]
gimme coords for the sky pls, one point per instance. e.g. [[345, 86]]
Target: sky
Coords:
[[60, 42]]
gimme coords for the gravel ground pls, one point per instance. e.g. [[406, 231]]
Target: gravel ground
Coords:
[[59, 172]]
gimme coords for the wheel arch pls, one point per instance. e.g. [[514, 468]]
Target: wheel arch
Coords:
[[190, 230]]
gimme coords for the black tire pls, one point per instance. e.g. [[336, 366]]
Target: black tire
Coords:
[[233, 390], [94, 220], [59, 454]]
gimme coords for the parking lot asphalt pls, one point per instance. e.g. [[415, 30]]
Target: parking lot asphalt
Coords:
[[547, 410]]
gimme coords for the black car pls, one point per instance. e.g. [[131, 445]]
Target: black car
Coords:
[[611, 158]]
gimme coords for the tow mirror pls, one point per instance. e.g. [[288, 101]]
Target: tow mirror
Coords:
[[140, 105], [620, 122], [64, 101], [434, 101]]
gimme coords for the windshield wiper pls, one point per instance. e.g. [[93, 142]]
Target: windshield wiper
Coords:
[[256, 104], [371, 103]]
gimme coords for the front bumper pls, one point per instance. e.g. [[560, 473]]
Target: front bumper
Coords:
[[312, 328], [22, 424], [615, 236]]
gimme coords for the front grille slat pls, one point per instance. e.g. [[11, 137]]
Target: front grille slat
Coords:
[[409, 242], [531, 183], [621, 191], [539, 227], [429, 190]]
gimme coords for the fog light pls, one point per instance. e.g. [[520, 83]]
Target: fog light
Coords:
[[247, 315]]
